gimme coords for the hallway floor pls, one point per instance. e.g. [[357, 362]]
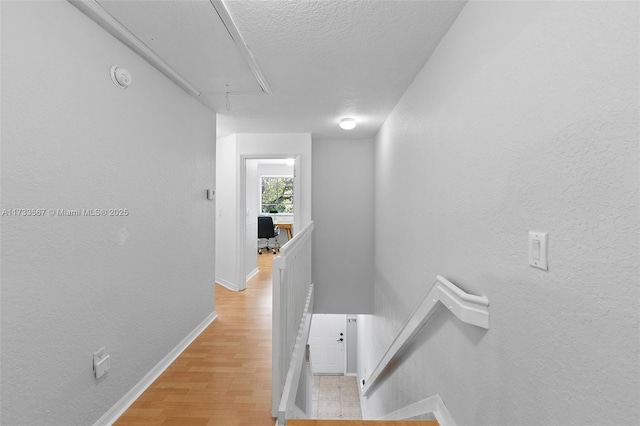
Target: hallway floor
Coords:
[[336, 398], [224, 377]]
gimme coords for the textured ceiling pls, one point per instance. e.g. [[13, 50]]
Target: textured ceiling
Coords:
[[323, 59], [191, 38], [330, 59]]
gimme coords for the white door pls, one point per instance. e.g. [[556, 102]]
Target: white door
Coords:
[[327, 339]]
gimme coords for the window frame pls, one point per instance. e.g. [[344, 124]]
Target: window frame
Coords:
[[260, 203]]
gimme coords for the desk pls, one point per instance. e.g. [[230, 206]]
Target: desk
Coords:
[[287, 227]]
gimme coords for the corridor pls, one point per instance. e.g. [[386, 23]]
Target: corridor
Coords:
[[224, 377]]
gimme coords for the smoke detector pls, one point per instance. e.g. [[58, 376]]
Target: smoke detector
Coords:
[[120, 77]]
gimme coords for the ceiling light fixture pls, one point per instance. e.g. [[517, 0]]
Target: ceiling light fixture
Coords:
[[348, 123]]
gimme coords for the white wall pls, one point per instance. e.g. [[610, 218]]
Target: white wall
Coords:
[[253, 210], [226, 206], [525, 118], [365, 359], [136, 284], [343, 218], [284, 145], [265, 169]]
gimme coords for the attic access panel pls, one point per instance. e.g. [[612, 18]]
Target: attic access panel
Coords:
[[191, 37]]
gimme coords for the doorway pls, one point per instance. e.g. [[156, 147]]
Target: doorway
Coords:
[[253, 169], [328, 341]]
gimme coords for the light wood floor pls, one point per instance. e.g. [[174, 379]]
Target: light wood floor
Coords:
[[224, 377]]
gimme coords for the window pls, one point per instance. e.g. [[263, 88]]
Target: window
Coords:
[[277, 194]]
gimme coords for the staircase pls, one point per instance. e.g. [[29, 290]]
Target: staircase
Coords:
[[293, 294], [306, 422]]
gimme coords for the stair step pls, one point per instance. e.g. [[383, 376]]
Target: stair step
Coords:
[[319, 422]]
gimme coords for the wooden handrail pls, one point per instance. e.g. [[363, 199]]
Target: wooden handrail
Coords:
[[467, 307]]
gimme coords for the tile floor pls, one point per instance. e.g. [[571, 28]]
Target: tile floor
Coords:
[[336, 397]]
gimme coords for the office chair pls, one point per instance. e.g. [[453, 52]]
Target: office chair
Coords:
[[267, 231]]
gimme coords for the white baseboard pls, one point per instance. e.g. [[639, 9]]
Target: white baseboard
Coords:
[[227, 284], [252, 274], [130, 397]]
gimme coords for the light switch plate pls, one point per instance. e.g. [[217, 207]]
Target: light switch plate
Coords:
[[101, 363], [103, 366], [98, 355], [538, 250]]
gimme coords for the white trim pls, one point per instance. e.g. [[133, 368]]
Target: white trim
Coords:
[[252, 274], [345, 346], [241, 222], [348, 338], [288, 292], [277, 335], [241, 205], [296, 412], [260, 178], [227, 20], [363, 401], [467, 307], [297, 240], [130, 397], [290, 388], [431, 405], [100, 16], [443, 416], [228, 284]]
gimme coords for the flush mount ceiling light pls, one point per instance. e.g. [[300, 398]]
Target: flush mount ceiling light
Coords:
[[348, 123]]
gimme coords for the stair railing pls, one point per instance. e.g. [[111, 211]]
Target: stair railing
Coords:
[[292, 309], [467, 307], [432, 406], [287, 409]]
